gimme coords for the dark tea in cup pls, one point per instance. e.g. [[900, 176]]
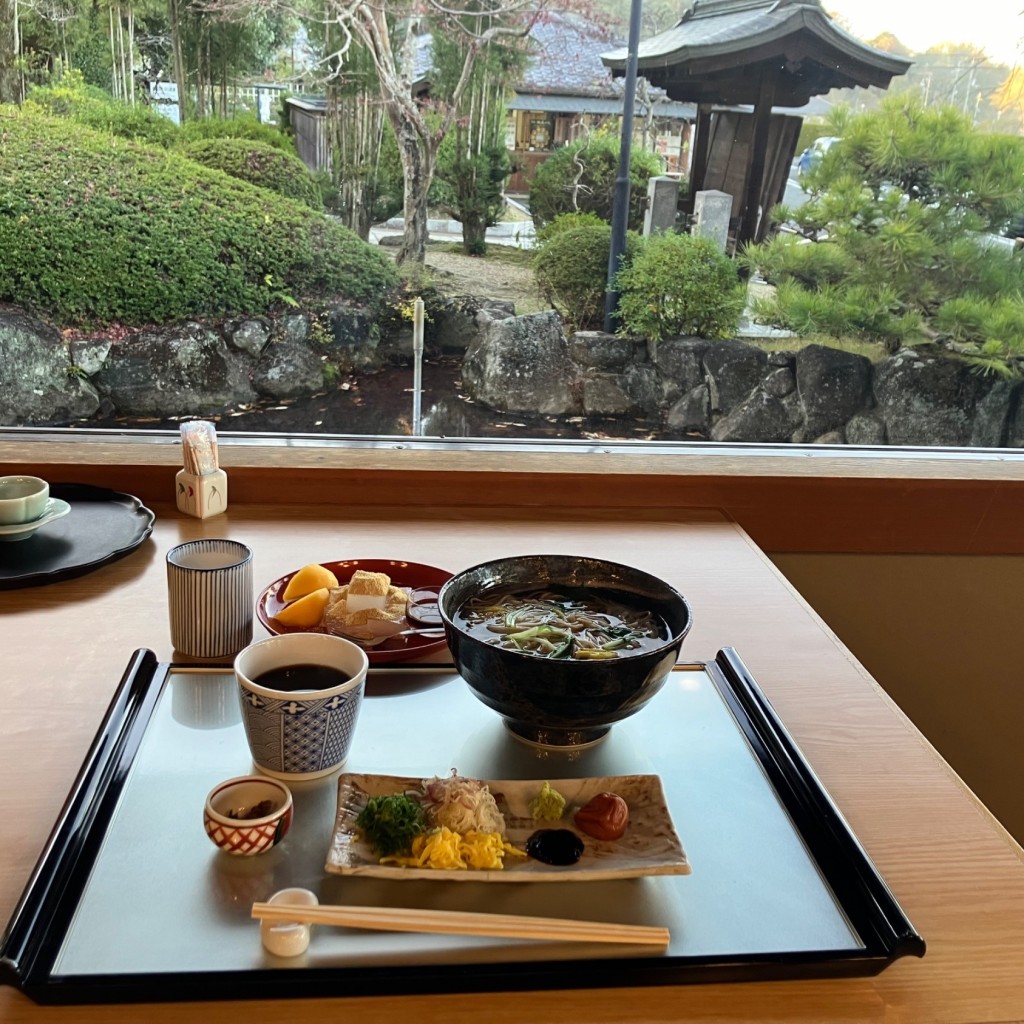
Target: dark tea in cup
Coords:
[[293, 678]]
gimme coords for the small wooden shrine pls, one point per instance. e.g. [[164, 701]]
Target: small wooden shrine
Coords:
[[760, 53]]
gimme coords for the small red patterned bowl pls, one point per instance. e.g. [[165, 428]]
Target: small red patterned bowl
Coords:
[[248, 815]]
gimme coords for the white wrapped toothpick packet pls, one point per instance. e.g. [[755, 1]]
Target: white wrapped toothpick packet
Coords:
[[201, 487]]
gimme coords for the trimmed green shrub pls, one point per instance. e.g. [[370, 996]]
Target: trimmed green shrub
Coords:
[[93, 108], [572, 272], [134, 234], [259, 164], [565, 221], [679, 285], [236, 128], [581, 178]]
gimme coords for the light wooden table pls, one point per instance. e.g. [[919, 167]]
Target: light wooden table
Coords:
[[957, 874]]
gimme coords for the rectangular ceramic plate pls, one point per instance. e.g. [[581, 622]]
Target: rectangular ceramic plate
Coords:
[[650, 845]]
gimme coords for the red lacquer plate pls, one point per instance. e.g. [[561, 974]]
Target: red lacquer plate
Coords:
[[424, 581]]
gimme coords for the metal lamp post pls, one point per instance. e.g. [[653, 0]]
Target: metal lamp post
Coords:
[[620, 197]]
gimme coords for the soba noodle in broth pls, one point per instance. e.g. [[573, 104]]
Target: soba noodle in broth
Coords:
[[580, 625]]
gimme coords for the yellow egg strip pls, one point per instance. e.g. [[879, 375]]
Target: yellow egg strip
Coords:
[[445, 850]]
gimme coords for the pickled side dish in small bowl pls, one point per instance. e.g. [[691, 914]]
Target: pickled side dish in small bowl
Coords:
[[248, 815], [563, 646]]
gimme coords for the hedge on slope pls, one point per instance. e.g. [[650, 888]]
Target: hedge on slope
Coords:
[[95, 230], [242, 126], [91, 107], [258, 164]]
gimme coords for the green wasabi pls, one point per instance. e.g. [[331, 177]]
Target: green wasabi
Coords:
[[548, 804]]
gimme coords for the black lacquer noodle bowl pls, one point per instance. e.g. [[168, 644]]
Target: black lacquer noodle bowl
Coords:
[[562, 702]]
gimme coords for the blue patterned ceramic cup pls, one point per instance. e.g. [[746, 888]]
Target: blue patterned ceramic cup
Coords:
[[300, 695]]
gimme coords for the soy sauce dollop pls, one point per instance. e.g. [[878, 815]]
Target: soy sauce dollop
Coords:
[[558, 846]]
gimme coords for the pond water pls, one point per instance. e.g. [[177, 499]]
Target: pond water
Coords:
[[381, 404]]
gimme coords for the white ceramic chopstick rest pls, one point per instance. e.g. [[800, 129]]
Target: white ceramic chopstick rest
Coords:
[[288, 938]]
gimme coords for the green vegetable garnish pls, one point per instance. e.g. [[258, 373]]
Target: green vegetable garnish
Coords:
[[564, 650], [391, 823], [541, 632], [548, 804]]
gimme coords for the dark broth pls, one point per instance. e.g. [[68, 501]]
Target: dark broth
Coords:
[[575, 623], [292, 678]]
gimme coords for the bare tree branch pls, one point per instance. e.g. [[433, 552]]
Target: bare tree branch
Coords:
[[377, 26]]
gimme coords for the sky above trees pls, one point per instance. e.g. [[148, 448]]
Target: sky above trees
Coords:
[[996, 26]]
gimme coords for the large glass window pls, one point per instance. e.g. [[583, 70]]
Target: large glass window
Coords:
[[229, 237]]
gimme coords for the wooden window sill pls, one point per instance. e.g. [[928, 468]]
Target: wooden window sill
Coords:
[[789, 498]]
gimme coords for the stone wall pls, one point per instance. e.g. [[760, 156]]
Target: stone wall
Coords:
[[731, 390], [727, 390], [199, 368]]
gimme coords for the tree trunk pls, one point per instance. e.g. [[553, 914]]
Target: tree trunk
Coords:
[[122, 56], [354, 129], [113, 54], [131, 55], [363, 221], [204, 75], [474, 234], [179, 60], [9, 91], [418, 157]]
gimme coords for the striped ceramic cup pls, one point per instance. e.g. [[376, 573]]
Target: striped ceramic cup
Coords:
[[210, 595]]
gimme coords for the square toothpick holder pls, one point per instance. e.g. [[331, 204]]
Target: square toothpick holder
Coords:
[[201, 496]]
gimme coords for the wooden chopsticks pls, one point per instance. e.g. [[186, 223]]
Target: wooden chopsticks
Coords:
[[453, 922]]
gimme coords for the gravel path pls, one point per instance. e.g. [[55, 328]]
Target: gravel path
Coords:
[[489, 277]]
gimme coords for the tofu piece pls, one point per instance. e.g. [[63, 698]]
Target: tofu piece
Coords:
[[367, 590], [367, 623]]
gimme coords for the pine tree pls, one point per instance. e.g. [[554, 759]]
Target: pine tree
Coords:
[[901, 216]]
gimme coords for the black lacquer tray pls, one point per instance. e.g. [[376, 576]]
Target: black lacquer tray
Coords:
[[130, 902], [102, 526]]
